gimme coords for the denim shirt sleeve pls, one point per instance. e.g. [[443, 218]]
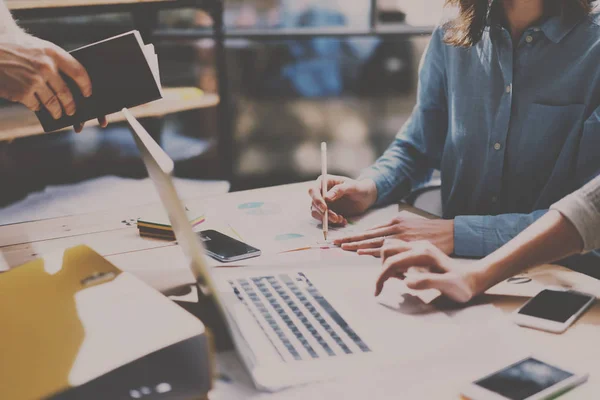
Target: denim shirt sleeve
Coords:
[[480, 235], [419, 144]]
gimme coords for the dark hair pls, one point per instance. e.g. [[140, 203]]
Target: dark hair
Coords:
[[466, 30]]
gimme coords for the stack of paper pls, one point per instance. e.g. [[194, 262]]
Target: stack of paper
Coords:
[[158, 226]]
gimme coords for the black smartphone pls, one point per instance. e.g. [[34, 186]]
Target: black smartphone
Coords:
[[225, 248]]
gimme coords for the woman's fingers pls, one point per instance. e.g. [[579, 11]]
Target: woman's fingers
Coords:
[[392, 247], [399, 264], [423, 281], [390, 223], [375, 243], [453, 286], [378, 233], [317, 198], [376, 252], [333, 217]]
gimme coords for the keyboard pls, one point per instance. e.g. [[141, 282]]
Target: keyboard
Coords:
[[300, 323]]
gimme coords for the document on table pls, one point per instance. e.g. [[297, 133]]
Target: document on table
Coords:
[[117, 193], [536, 279], [277, 227]]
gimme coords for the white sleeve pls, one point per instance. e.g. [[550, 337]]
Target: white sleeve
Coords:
[[582, 208]]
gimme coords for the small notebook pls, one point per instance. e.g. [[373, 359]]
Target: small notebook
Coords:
[[124, 74]]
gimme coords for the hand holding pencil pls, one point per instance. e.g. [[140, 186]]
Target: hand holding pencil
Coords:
[[337, 197]]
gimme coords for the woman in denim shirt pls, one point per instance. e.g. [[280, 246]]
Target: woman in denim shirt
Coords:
[[508, 109]]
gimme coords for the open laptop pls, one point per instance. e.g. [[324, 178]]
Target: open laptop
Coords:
[[291, 325]]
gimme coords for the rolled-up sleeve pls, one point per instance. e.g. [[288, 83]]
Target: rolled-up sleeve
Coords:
[[480, 235], [419, 144], [582, 208]]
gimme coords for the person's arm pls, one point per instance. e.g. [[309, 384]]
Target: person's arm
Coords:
[[7, 23], [409, 159], [582, 208], [480, 235], [571, 226], [552, 237], [31, 68], [419, 145]]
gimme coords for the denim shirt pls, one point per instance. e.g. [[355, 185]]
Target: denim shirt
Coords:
[[512, 127]]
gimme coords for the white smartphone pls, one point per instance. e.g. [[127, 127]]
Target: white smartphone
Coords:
[[527, 379], [553, 310]]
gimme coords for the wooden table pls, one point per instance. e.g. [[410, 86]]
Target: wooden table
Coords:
[[161, 264]]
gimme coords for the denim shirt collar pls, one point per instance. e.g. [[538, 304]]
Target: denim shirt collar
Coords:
[[556, 28]]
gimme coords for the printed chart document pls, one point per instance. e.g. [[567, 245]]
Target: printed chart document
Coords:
[[284, 223]]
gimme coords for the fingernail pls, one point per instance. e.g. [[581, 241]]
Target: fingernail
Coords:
[[321, 208], [88, 93]]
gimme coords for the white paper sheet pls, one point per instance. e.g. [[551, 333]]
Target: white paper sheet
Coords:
[[152, 60], [100, 194], [534, 280], [280, 225]]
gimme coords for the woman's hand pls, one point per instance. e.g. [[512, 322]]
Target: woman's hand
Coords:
[[439, 232], [30, 72], [455, 280], [345, 197]]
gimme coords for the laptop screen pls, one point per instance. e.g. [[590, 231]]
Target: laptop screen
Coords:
[[160, 167]]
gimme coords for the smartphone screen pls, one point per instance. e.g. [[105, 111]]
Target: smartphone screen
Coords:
[[523, 379], [555, 305], [224, 247]]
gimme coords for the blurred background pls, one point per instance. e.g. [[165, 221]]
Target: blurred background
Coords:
[[288, 95]]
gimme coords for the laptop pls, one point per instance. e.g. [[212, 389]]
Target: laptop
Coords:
[[290, 325]]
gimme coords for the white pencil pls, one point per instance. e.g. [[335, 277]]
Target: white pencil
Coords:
[[324, 186]]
